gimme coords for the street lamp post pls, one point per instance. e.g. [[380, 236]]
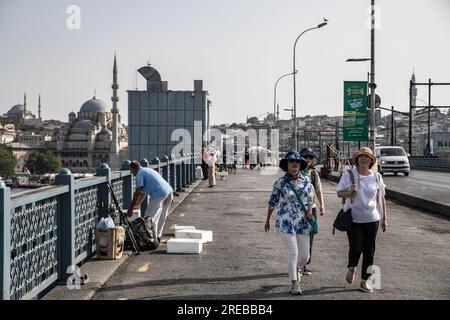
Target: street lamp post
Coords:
[[372, 84], [428, 148], [392, 126], [275, 97], [291, 110], [294, 72]]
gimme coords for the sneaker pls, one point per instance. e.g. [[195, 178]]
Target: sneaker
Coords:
[[307, 271], [296, 290], [364, 287], [350, 275]]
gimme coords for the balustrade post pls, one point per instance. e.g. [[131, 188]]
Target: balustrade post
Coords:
[[156, 161], [104, 197], [179, 174], [188, 169], [144, 163], [5, 240], [127, 184], [66, 224], [173, 174], [165, 169]]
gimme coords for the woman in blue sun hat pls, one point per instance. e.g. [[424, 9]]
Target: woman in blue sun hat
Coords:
[[293, 195], [309, 155]]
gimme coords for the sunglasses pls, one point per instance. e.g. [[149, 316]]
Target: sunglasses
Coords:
[[293, 160], [309, 157]]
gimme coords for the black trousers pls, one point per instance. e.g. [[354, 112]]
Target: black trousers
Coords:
[[361, 239], [204, 170], [311, 237]]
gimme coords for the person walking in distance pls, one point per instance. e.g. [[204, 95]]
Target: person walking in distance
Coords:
[[212, 168], [309, 156], [205, 156], [366, 198], [293, 194], [246, 157], [150, 183]]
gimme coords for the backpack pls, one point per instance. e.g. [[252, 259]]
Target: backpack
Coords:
[[313, 176], [144, 233]]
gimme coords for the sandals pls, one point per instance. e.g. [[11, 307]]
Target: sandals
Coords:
[[350, 275], [364, 287]]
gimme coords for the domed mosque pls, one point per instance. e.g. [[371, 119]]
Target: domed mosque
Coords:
[[96, 135], [18, 114]]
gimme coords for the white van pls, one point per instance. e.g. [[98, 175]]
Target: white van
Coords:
[[392, 159]]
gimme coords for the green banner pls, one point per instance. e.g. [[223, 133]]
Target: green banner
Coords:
[[355, 111]]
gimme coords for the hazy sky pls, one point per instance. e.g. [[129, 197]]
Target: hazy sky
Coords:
[[238, 47]]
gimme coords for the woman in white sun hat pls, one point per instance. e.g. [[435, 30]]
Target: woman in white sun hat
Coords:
[[366, 198]]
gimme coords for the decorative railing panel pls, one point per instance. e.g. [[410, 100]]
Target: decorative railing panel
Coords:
[[86, 208], [45, 231]]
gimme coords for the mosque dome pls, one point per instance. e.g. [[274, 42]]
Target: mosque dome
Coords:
[[83, 124], [94, 105], [16, 110]]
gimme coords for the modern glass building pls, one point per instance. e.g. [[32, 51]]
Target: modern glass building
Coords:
[[154, 114]]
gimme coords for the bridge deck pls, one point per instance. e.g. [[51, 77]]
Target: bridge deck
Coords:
[[243, 262]]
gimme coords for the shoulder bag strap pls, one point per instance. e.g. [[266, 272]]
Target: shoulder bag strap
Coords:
[[296, 194], [352, 180]]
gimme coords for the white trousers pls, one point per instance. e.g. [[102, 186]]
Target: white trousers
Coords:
[[157, 210], [297, 246]]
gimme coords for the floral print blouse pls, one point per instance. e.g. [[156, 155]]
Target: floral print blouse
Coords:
[[290, 214]]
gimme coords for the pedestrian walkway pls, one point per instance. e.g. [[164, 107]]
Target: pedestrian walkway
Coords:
[[243, 262]]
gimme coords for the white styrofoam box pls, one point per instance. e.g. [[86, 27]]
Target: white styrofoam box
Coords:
[[176, 245], [204, 235], [184, 228], [136, 214], [208, 235]]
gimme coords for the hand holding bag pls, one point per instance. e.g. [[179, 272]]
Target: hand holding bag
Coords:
[[343, 221]]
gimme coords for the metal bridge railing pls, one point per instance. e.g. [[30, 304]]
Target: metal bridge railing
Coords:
[[46, 231]]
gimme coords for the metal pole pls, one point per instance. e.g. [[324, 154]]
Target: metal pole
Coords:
[[275, 96], [372, 76], [320, 144], [410, 118], [207, 123], [395, 133], [337, 135], [429, 118], [392, 126], [294, 72], [278, 114]]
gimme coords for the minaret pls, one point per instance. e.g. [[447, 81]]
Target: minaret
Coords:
[[115, 111], [414, 88], [24, 105], [39, 108]]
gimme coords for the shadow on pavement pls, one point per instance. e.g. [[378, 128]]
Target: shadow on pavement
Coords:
[[262, 293], [185, 281]]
